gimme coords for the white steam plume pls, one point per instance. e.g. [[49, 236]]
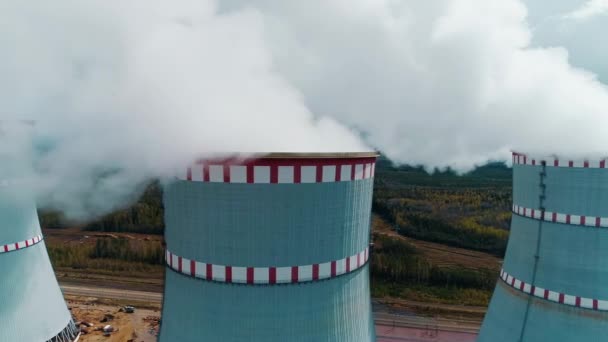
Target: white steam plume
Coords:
[[129, 90], [134, 88], [440, 83]]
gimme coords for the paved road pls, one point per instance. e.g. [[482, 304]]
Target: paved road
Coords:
[[102, 292], [390, 326]]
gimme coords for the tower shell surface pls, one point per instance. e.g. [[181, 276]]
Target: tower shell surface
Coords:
[[553, 285], [32, 307], [272, 249]]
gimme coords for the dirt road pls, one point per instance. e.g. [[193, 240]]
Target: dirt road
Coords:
[[116, 294]]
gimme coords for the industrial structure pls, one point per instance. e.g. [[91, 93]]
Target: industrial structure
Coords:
[[553, 285], [271, 249], [32, 307]]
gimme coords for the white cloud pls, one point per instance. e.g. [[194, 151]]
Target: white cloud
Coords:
[[589, 9]]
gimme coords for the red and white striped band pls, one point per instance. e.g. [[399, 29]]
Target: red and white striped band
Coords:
[[282, 171], [20, 245], [558, 297], [549, 216], [267, 275], [523, 159]]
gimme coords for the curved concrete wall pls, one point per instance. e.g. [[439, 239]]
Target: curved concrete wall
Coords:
[[555, 285], [32, 307], [255, 227]]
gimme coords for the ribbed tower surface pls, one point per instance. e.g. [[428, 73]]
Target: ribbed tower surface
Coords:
[[554, 281], [32, 307], [274, 249]]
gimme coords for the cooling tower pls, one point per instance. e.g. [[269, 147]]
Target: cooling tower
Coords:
[[273, 249], [32, 307], [554, 282]]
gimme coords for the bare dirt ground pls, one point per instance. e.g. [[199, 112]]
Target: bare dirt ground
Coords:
[[140, 326], [438, 254]]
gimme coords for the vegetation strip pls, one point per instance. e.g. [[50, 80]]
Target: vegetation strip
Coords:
[[553, 296]]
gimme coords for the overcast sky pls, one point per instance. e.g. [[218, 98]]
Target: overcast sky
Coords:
[[578, 25]]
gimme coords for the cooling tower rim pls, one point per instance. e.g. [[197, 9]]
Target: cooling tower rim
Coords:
[[555, 156], [312, 155], [559, 161]]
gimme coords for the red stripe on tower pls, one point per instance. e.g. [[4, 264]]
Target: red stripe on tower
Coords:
[[297, 174], [250, 174], [319, 173], [338, 172], [226, 170], [272, 275], [250, 275], [229, 274], [294, 274], [315, 272], [274, 174], [209, 272], [205, 173]]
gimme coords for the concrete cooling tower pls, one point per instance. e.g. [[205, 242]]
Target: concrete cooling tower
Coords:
[[554, 282], [32, 307], [272, 249]]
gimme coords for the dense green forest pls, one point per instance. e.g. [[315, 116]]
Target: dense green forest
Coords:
[[469, 211]]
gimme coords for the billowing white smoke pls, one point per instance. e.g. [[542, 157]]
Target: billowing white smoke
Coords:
[[436, 82], [122, 91]]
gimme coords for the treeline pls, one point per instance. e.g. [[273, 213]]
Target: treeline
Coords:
[[109, 254], [145, 216], [397, 261]]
